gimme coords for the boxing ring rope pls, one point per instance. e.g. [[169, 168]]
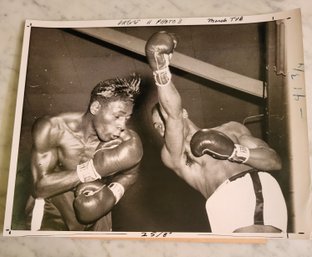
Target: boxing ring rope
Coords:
[[186, 63]]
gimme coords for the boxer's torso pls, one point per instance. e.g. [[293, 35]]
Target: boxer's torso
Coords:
[[205, 173], [71, 146]]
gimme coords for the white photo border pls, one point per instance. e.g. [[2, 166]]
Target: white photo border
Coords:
[[297, 107]]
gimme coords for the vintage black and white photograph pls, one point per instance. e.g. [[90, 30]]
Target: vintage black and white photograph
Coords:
[[161, 128]]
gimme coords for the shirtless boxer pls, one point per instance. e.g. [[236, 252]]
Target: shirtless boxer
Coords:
[[225, 164], [82, 163]]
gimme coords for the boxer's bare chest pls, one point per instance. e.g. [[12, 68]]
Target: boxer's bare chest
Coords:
[[73, 148]]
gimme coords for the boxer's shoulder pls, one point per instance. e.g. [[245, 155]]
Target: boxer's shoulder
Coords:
[[43, 133], [233, 129], [71, 120], [49, 128]]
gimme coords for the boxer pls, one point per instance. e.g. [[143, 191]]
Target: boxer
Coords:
[[226, 164], [73, 152]]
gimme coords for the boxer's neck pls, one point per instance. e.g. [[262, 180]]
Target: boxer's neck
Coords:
[[87, 129]]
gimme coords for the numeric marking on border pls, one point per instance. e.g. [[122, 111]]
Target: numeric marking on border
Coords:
[[155, 234]]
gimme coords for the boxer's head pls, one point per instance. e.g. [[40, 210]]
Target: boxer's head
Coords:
[[158, 119], [125, 89], [111, 105]]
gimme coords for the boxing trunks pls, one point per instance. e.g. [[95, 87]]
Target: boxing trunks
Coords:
[[249, 198]]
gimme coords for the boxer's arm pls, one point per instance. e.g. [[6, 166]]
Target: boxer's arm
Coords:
[[159, 49], [233, 142], [120, 182], [46, 181], [120, 162], [127, 178], [112, 157], [262, 156], [171, 108], [173, 154], [95, 199]]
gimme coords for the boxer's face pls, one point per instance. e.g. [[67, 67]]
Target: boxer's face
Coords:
[[158, 120], [110, 119]]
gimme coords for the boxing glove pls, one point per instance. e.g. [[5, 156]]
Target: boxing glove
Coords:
[[94, 200], [111, 157], [218, 145], [87, 172], [158, 50]]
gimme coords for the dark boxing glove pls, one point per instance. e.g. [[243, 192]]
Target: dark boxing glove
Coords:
[[111, 157], [88, 171], [94, 200], [159, 49], [218, 145]]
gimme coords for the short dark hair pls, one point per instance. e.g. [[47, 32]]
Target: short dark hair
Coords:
[[127, 88]]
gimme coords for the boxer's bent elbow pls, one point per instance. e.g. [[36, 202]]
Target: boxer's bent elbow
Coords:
[[40, 190], [277, 164], [273, 163]]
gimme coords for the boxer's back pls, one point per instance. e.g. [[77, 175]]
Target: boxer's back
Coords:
[[205, 173]]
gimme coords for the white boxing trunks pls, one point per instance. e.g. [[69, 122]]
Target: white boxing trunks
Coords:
[[253, 197]]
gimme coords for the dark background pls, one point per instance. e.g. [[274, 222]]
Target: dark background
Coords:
[[64, 66]]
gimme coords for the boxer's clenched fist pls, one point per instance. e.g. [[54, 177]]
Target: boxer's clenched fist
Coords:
[[218, 145], [159, 49], [94, 200], [112, 157]]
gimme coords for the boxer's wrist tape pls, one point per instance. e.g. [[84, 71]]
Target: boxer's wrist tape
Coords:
[[117, 189], [162, 77], [86, 172], [240, 154]]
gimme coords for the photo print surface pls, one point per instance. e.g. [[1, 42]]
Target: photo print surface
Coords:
[[167, 128]]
